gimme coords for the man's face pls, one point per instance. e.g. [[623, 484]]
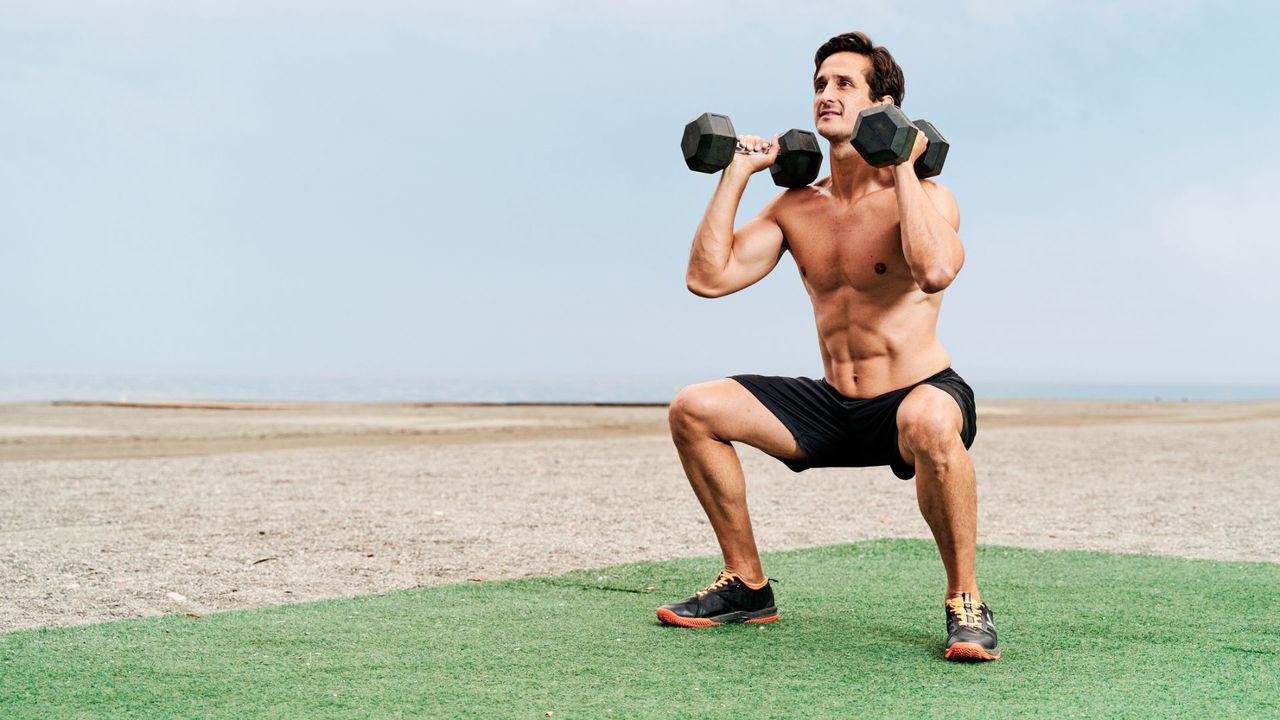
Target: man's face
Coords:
[[840, 92]]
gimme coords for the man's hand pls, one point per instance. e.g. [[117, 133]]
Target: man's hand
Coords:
[[922, 143], [756, 154]]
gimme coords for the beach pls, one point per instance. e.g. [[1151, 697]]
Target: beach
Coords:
[[117, 510]]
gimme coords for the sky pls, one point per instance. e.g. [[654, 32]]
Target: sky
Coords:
[[494, 190]]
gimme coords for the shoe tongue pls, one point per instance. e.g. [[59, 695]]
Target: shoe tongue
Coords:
[[963, 603], [968, 612]]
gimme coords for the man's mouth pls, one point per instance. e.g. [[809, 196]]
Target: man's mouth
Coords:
[[825, 113]]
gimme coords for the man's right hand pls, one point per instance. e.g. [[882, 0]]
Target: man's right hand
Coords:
[[757, 154]]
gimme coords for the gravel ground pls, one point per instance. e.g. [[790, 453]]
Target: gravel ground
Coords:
[[112, 511]]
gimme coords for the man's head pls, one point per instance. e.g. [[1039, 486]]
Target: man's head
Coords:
[[850, 74]]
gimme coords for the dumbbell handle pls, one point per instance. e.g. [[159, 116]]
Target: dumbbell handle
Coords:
[[705, 146]]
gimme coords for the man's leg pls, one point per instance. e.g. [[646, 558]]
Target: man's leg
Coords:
[[929, 426], [705, 419]]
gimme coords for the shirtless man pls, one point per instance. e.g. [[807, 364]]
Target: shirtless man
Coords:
[[876, 248]]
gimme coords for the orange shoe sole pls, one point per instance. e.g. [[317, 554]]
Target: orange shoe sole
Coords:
[[969, 651], [671, 618]]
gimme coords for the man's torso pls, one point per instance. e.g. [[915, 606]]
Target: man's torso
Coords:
[[876, 327]]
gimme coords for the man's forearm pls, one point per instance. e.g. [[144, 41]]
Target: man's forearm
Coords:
[[713, 240], [929, 242]]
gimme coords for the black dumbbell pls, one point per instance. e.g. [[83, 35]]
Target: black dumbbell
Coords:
[[709, 144], [883, 136]]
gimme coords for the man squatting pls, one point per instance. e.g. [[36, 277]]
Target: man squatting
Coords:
[[876, 249]]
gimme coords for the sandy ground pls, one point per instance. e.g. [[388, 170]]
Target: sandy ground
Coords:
[[113, 511]]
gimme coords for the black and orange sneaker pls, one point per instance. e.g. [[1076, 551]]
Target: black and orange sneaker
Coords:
[[971, 630], [727, 600]]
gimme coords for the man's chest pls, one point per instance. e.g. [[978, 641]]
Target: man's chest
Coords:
[[859, 248]]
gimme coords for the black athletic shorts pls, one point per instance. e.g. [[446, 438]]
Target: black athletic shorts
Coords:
[[838, 431]]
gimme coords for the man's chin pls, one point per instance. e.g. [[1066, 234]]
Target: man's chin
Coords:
[[833, 134]]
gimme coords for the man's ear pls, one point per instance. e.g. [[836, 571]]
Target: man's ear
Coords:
[[885, 99]]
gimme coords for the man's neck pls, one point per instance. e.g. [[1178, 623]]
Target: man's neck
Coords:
[[852, 177]]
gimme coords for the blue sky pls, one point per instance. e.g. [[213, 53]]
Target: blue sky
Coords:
[[495, 190]]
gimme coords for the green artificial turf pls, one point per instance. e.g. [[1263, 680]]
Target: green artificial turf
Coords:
[[1083, 634]]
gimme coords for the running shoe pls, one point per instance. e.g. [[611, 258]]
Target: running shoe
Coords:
[[727, 600], [971, 630]]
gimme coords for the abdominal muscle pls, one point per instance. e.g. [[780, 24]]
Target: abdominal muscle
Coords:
[[869, 348]]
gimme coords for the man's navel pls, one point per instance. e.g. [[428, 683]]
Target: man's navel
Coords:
[[881, 268]]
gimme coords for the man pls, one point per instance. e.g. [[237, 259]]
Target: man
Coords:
[[876, 248]]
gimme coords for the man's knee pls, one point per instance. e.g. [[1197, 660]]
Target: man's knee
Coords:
[[693, 409], [929, 424]]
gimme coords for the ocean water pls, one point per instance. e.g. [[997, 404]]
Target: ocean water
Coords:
[[40, 387]]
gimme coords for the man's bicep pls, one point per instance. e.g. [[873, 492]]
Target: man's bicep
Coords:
[[757, 248], [759, 242]]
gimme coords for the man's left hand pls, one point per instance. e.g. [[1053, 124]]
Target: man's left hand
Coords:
[[918, 149]]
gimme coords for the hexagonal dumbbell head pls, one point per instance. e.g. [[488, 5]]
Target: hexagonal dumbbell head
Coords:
[[883, 135], [930, 163], [708, 143], [799, 159]]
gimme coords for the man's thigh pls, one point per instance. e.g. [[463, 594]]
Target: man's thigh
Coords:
[[733, 414]]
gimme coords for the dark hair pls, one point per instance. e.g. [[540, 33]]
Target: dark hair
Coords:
[[884, 77]]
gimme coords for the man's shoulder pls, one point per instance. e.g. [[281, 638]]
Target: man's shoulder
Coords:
[[799, 197], [935, 186], [938, 192], [944, 201]]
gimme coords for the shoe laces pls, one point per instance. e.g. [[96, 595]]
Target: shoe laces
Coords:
[[969, 613], [724, 578]]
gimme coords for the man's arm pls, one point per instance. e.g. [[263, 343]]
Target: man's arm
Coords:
[[723, 261], [929, 219]]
